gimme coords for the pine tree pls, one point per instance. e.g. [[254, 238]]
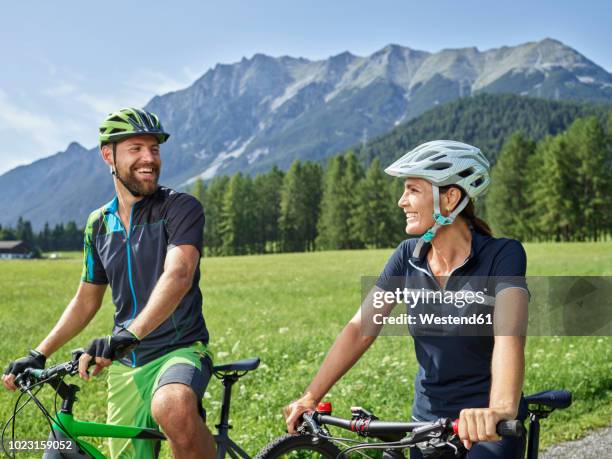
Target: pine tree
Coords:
[[587, 141], [213, 204], [374, 222], [552, 189], [507, 198], [24, 231], [198, 190], [338, 222], [333, 223], [291, 207], [268, 197], [351, 180], [44, 238], [299, 211], [58, 237], [312, 194], [73, 236], [238, 219]]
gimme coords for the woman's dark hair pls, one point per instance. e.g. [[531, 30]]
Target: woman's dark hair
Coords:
[[469, 214]]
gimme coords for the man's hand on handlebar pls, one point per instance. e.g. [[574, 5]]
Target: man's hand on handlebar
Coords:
[[104, 350], [34, 359]]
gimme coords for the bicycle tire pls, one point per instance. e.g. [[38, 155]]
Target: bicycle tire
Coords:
[[300, 446]]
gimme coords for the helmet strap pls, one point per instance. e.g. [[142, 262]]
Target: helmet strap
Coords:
[[439, 219], [113, 172]]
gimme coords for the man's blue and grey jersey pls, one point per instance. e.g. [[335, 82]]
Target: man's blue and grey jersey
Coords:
[[132, 261]]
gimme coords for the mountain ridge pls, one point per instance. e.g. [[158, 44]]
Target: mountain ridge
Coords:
[[265, 111]]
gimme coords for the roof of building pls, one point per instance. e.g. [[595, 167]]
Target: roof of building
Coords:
[[7, 245]]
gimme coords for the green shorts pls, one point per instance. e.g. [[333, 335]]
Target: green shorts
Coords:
[[130, 391]]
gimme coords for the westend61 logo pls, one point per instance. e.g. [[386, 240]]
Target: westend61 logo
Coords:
[[412, 297], [480, 305], [436, 308]]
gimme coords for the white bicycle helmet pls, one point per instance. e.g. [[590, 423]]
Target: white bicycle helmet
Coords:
[[443, 163]]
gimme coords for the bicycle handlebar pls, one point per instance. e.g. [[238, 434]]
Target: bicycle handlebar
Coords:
[[56, 371], [365, 426], [369, 426]]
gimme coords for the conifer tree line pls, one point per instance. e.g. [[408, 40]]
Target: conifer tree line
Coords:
[[307, 208], [60, 237], [557, 189]]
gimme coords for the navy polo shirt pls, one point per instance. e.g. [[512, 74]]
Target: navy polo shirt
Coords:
[[454, 370]]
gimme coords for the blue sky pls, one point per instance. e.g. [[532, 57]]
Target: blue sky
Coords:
[[65, 64]]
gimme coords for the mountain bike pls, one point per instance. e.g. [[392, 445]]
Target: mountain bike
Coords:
[[65, 440], [434, 439]]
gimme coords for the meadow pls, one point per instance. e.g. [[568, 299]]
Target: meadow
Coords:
[[287, 309]]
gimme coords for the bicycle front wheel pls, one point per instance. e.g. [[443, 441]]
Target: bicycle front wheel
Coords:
[[299, 447]]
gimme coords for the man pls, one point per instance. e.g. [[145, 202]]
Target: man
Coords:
[[146, 243]]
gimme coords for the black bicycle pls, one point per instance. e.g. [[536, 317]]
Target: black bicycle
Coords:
[[434, 439], [66, 432]]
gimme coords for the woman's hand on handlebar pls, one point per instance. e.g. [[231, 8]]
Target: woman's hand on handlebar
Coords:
[[295, 409], [480, 424]]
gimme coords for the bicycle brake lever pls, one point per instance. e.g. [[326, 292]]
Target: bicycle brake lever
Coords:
[[432, 431], [23, 380], [74, 362], [76, 354], [310, 424]]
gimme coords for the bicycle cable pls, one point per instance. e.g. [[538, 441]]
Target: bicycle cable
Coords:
[[44, 411], [361, 444], [48, 418], [32, 397], [342, 441], [373, 446], [40, 405], [12, 421]]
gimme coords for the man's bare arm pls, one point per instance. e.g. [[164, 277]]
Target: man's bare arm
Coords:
[[173, 284], [79, 312]]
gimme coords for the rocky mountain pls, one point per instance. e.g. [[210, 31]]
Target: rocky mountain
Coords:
[[263, 111]]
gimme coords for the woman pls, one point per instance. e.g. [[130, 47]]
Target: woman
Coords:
[[475, 378]]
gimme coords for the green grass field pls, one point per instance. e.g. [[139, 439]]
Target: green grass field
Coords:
[[287, 309]]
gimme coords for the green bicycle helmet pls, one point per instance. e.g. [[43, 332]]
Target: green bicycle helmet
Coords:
[[128, 122]]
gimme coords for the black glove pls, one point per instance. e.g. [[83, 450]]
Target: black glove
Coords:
[[113, 347], [34, 359]]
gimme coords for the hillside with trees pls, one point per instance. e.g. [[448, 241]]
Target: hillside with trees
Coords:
[[486, 120]]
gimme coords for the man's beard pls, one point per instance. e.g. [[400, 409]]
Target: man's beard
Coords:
[[137, 187]]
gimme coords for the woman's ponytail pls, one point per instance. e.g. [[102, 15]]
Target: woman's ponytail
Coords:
[[478, 224]]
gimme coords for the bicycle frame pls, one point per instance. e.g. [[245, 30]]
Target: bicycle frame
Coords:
[[224, 442], [73, 428], [66, 427]]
